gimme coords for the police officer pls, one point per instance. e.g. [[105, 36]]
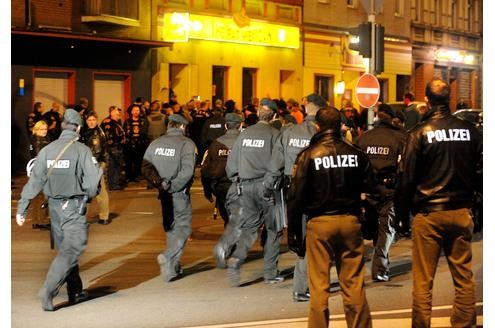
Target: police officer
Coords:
[[383, 144], [168, 165], [94, 137], [438, 176], [215, 182], [68, 174], [115, 140], [248, 167], [329, 177], [213, 128], [292, 140]]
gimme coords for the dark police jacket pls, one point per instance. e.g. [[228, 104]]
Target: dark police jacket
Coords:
[[384, 145], [76, 173], [96, 141], [441, 165], [213, 174], [330, 176], [213, 128], [171, 157], [36, 144], [252, 152]]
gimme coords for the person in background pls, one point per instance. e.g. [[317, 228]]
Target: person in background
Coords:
[[54, 121], [440, 171], [295, 111], [69, 176], [94, 137], [136, 132], [156, 121], [34, 116], [328, 191], [115, 135], [37, 215], [410, 112]]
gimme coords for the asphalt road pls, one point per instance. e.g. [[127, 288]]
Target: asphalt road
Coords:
[[120, 270]]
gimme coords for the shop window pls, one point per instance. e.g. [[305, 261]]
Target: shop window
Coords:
[[219, 83], [324, 85]]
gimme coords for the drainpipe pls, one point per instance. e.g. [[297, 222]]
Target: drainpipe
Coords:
[[27, 16]]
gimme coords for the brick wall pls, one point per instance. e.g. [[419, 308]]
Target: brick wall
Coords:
[[422, 75], [43, 12]]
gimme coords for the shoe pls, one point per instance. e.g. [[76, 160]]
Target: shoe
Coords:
[[44, 226], [275, 280], [46, 300], [219, 254], [233, 271], [104, 222], [381, 278], [167, 271], [79, 297], [298, 297]]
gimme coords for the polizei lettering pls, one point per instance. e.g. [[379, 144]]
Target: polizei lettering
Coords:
[[61, 164], [377, 150], [298, 143], [223, 152], [256, 143], [216, 126], [448, 135], [336, 161], [170, 152]]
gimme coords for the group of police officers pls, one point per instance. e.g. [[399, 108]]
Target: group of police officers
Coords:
[[306, 178]]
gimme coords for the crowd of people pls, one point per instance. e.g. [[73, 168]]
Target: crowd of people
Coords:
[[318, 172]]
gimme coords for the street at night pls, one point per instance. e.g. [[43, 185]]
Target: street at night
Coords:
[[120, 271]]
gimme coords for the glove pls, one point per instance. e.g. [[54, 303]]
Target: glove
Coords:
[[269, 197], [165, 185], [20, 219]]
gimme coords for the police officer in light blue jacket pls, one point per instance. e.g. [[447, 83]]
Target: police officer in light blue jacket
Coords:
[[69, 176], [168, 165]]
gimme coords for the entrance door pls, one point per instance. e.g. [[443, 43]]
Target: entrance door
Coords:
[[324, 87], [54, 86], [248, 85], [287, 84], [111, 90], [219, 83]]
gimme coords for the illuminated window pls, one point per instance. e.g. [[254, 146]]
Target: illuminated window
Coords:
[[120, 8]]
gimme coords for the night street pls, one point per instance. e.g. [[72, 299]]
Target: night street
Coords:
[[120, 270]]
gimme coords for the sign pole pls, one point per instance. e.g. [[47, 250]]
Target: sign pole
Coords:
[[372, 66]]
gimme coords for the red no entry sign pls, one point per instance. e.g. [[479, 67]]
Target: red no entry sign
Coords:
[[367, 90]]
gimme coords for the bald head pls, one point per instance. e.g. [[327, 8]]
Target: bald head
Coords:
[[437, 92]]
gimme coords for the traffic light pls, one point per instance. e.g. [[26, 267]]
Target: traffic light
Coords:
[[364, 44], [379, 48]]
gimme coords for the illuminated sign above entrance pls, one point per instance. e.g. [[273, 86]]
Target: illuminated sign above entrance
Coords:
[[180, 27], [456, 56]]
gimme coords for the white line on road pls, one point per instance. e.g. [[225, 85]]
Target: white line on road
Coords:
[[338, 320]]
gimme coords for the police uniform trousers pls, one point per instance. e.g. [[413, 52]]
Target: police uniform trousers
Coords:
[[115, 167], [337, 239], [70, 234], [232, 230], [385, 237], [255, 212], [450, 231], [180, 230]]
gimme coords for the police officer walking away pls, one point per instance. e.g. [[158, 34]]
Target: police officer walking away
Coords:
[[168, 165], [384, 145], [248, 167], [329, 177], [215, 182], [292, 140], [437, 180], [69, 175]]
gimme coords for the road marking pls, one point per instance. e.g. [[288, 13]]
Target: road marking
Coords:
[[338, 320]]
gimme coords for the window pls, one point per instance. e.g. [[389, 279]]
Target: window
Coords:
[[352, 3], [121, 8], [248, 85], [399, 8], [219, 79]]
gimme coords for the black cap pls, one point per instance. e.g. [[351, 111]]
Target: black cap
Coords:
[[387, 109]]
